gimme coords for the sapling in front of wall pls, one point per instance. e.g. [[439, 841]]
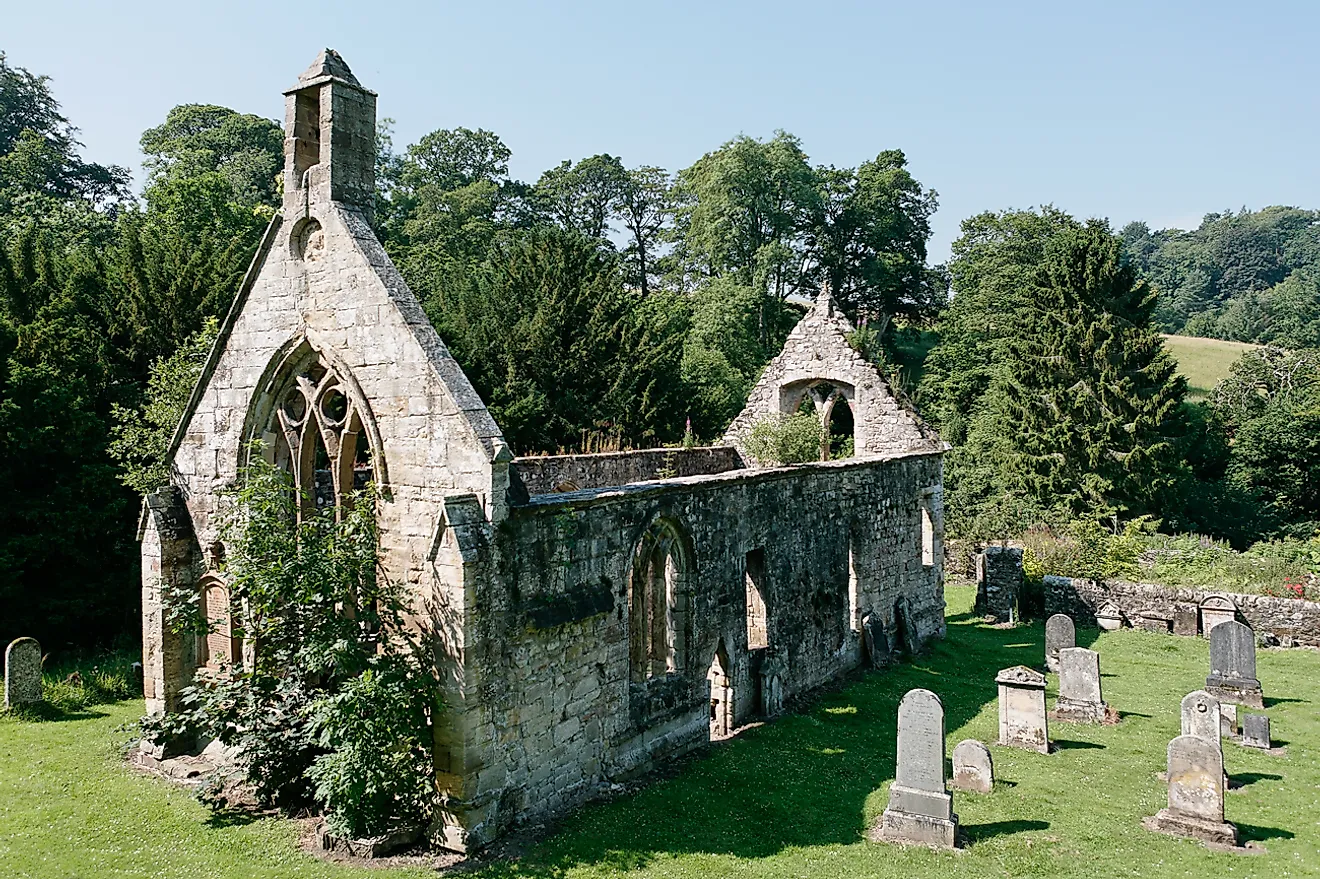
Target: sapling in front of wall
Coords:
[[332, 704]]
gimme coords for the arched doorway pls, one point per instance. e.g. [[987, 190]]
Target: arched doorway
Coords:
[[721, 695]]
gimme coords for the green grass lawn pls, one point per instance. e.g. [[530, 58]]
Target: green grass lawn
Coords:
[[790, 799], [1205, 362]]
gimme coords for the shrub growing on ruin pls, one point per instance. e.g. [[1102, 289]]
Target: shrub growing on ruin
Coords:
[[785, 439], [332, 708]]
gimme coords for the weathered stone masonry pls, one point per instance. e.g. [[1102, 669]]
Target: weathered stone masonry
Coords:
[[596, 613]]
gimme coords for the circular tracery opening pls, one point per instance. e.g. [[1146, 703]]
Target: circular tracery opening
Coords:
[[309, 241]]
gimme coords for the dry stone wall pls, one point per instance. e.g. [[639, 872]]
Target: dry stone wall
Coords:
[[1291, 621]]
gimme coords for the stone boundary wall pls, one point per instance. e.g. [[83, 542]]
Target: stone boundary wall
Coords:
[[541, 474], [1286, 620]]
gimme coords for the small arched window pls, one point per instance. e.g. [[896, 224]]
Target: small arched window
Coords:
[[658, 603]]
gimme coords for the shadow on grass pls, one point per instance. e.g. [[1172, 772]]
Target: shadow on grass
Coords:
[[1271, 701], [1242, 779], [221, 818], [1072, 745], [1124, 715], [47, 712], [826, 763], [975, 833], [1256, 833]]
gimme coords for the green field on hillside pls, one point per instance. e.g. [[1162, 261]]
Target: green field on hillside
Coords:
[[1205, 362], [792, 798]]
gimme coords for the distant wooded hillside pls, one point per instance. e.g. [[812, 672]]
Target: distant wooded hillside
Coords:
[[1250, 276]]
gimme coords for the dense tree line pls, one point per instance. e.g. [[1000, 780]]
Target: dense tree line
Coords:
[[1250, 276], [600, 305]]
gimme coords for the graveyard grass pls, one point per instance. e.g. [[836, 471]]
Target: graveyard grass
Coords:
[[793, 798]]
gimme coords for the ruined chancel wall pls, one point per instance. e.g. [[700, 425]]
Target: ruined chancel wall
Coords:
[[563, 710]]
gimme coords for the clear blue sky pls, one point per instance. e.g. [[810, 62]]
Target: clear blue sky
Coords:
[[1128, 110]]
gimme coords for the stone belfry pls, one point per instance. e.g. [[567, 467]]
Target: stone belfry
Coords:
[[329, 139]]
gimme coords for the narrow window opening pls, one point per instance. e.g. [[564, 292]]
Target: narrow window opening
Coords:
[[721, 695], [841, 435], [306, 131], [854, 592], [758, 633], [927, 533]]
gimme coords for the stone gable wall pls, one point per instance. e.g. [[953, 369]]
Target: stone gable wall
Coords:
[[817, 349], [550, 629]]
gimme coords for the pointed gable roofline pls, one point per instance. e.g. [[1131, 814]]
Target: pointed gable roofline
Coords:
[[817, 353]]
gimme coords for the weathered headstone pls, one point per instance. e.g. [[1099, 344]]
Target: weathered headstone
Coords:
[[1186, 619], [1079, 686], [1154, 621], [1232, 675], [998, 582], [1023, 722], [1109, 618], [920, 807], [1228, 720], [876, 641], [1256, 731], [1059, 633], [1200, 716], [973, 769], [1196, 793], [773, 669], [22, 672], [1216, 609]]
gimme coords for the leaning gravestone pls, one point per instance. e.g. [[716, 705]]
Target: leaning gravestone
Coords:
[[998, 582], [875, 641], [1023, 722], [1232, 675], [1255, 731], [1079, 686], [1196, 793], [973, 769], [920, 808], [22, 672], [1059, 633], [1200, 716], [1109, 618]]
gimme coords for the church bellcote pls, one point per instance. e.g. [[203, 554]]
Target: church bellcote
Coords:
[[329, 139]]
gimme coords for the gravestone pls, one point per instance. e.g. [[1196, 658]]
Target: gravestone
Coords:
[[973, 769], [1228, 720], [998, 582], [1216, 609], [875, 641], [1079, 686], [1256, 731], [920, 809], [1196, 793], [1186, 619], [1022, 718], [1109, 618], [22, 672], [1200, 716], [1232, 675], [1154, 621], [773, 669], [1059, 633]]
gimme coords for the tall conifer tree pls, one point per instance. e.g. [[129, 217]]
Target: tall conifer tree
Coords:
[[1090, 396]]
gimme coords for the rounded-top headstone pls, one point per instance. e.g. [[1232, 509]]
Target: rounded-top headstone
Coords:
[[1233, 651], [1200, 716], [921, 741], [1060, 632], [973, 768], [1196, 779], [22, 672]]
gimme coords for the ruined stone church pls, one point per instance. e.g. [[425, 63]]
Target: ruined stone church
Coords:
[[599, 613]]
